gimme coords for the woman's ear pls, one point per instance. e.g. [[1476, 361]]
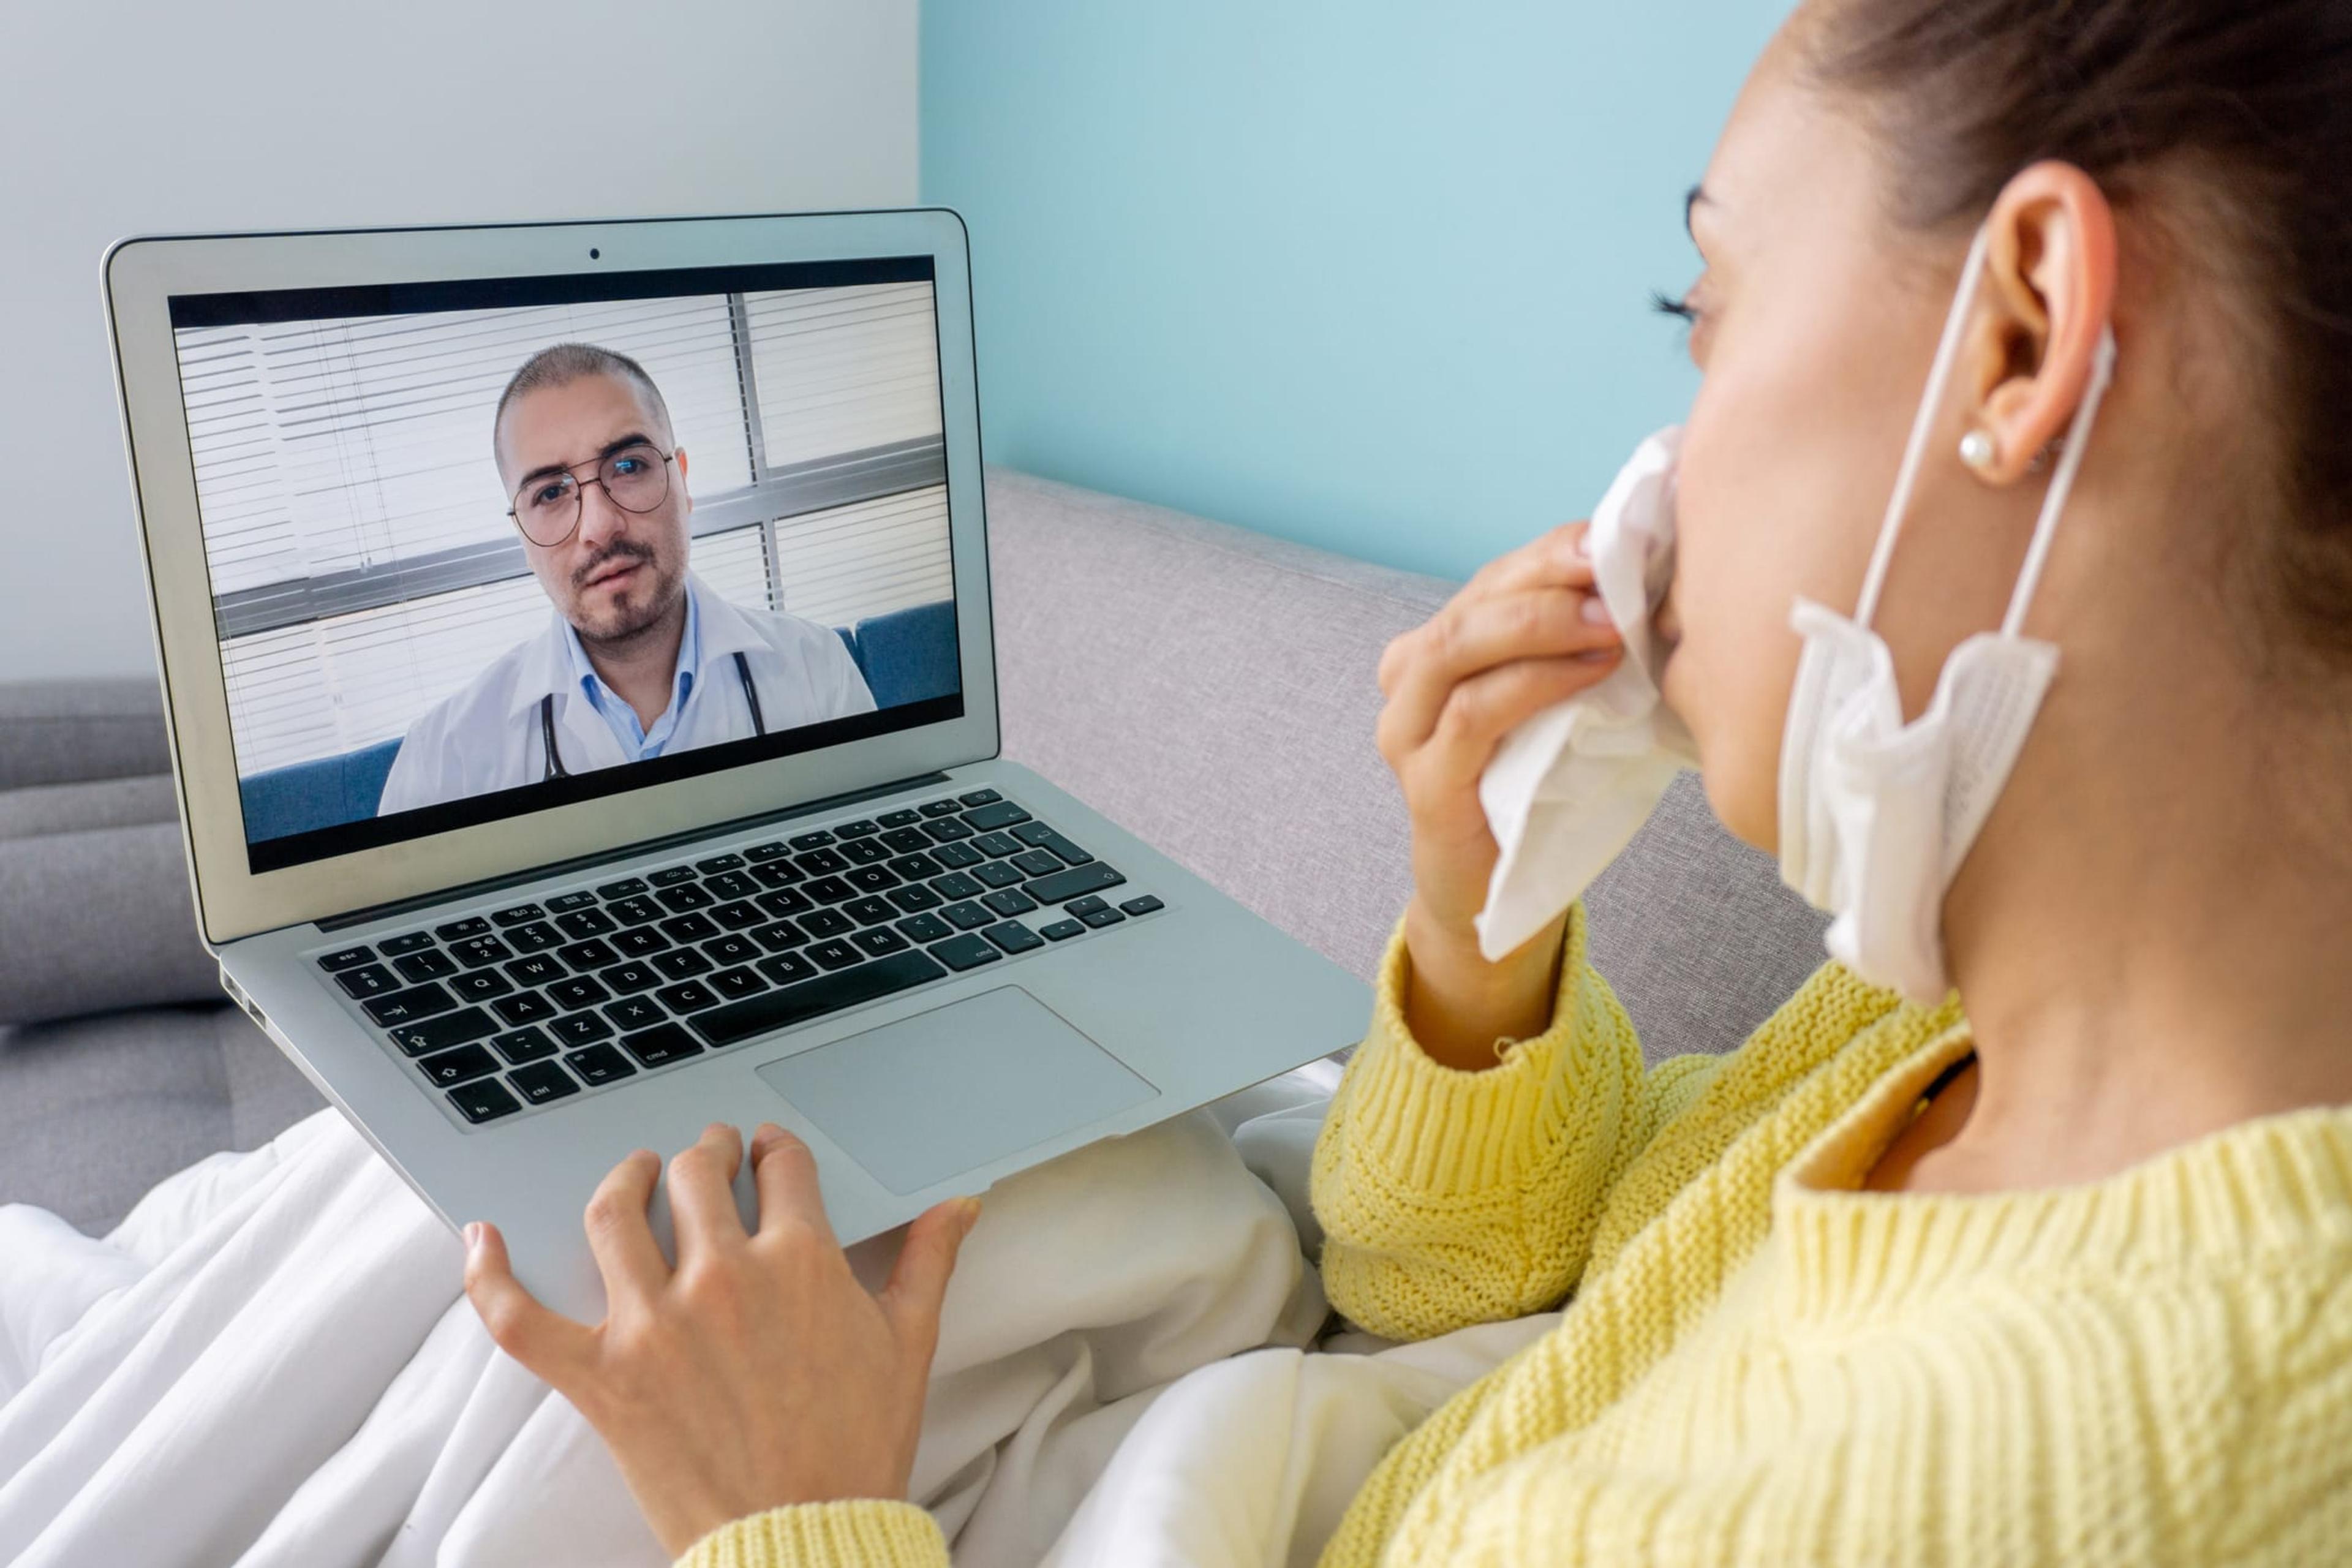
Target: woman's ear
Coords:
[[2052, 256]]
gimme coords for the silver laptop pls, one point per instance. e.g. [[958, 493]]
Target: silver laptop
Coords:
[[577, 649]]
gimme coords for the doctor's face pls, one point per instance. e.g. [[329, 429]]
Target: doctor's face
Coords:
[[621, 572]]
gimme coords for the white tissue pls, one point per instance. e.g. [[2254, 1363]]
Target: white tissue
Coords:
[[1569, 788]]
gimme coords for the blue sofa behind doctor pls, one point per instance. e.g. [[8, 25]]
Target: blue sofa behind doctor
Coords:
[[905, 656]]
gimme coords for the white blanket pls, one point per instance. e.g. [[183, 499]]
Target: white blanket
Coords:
[[270, 1361]]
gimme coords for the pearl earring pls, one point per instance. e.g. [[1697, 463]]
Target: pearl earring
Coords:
[[1976, 450]]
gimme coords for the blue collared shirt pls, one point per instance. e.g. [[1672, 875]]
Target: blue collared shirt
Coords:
[[637, 743]]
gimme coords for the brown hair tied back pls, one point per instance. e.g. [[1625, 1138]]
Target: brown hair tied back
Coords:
[[2247, 101]]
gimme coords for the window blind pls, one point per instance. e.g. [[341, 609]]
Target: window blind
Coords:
[[841, 369]]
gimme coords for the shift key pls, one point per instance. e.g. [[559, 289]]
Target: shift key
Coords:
[[1058, 886], [449, 1029]]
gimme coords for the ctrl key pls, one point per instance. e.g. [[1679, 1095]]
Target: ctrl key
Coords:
[[484, 1099]]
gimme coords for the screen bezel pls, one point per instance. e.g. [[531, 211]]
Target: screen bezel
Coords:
[[232, 900]]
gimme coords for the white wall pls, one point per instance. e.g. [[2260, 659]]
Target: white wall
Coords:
[[142, 115]]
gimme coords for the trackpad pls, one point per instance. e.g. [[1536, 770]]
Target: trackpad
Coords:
[[947, 1092]]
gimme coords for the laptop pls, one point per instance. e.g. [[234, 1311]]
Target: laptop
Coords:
[[577, 651]]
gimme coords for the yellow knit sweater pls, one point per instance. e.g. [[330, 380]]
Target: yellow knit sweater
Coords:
[[1760, 1362]]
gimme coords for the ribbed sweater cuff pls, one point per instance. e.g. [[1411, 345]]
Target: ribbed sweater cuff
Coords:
[[866, 1533], [1445, 1132]]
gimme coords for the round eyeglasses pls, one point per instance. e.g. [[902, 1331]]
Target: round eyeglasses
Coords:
[[547, 509]]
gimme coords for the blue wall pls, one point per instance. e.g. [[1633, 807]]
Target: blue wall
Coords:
[[1365, 274]]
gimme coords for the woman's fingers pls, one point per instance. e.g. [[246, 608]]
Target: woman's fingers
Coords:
[[1480, 710], [919, 1281], [786, 1172], [619, 1237], [702, 1193], [548, 1344], [1466, 639]]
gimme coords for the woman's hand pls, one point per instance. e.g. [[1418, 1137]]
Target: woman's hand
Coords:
[[760, 1373], [1526, 632]]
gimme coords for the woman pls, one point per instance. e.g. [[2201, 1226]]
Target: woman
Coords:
[[2067, 1277]]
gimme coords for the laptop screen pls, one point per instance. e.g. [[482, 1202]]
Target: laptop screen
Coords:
[[480, 547]]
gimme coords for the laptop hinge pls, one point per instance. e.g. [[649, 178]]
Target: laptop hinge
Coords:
[[607, 857]]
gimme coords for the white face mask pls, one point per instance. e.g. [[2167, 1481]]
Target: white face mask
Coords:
[[1878, 815]]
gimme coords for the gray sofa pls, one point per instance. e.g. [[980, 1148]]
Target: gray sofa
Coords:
[[1209, 688]]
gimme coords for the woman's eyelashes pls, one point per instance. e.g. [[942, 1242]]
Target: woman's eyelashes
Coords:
[[1667, 304]]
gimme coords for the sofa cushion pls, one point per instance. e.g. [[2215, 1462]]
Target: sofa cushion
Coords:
[[63, 732]]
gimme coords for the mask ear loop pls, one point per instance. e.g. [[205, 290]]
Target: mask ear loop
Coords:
[[1930, 401], [2070, 461]]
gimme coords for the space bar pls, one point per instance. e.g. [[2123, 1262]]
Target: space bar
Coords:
[[793, 1005]]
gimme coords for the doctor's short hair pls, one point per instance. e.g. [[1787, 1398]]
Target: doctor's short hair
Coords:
[[561, 364]]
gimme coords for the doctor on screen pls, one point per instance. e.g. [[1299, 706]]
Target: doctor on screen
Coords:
[[640, 659]]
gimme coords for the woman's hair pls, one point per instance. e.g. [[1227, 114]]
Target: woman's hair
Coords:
[[2243, 107]]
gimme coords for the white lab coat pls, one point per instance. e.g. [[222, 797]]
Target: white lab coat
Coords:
[[486, 736]]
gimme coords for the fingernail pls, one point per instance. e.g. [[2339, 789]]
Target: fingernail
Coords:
[[1594, 611], [971, 1213], [473, 1235], [1584, 545]]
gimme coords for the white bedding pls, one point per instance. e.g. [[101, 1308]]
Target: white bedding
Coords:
[[271, 1362]]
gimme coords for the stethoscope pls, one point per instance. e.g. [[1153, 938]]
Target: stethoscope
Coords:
[[555, 768]]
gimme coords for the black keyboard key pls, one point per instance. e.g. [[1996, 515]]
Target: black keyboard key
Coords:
[[880, 942], [869, 878], [1062, 931], [834, 954], [732, 948], [831, 890], [871, 912], [632, 977], [517, 915], [661, 1045], [635, 1012], [671, 876], [484, 1099], [639, 943], [863, 828], [779, 936], [979, 797], [523, 1007], [914, 900], [366, 980], [1034, 833], [793, 1003], [577, 993], [689, 928], [736, 916], [1085, 906], [581, 1029], [907, 840], [822, 862], [681, 964], [564, 903], [957, 856], [430, 964], [542, 1083], [1010, 901], [455, 1066], [967, 916], [520, 1045], [413, 941], [448, 1029], [480, 986], [947, 829], [1101, 917], [816, 839], [1066, 849], [690, 996], [963, 884], [686, 896], [737, 983], [627, 888], [787, 968], [925, 927], [962, 952], [345, 958], [864, 851], [594, 953], [459, 930], [599, 1065], [731, 885], [407, 1006], [784, 902], [906, 818], [760, 853], [718, 863], [779, 874], [1145, 905], [474, 951], [939, 808], [1038, 862], [992, 814], [536, 937], [1014, 937], [1091, 877], [827, 922], [1001, 873], [536, 970], [634, 910], [916, 867], [997, 845]]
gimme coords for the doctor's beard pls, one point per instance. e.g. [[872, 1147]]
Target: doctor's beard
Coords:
[[611, 619]]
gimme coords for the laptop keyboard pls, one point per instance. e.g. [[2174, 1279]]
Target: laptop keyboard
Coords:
[[538, 1002]]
